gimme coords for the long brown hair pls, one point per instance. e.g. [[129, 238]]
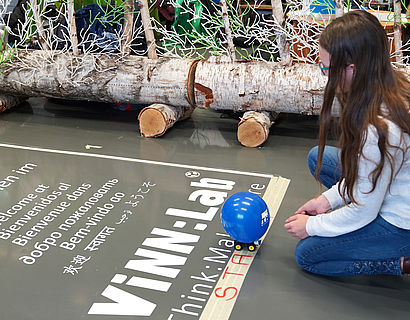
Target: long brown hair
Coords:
[[358, 38]]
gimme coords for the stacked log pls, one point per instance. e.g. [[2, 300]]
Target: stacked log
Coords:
[[157, 118], [179, 84], [187, 83], [253, 129], [259, 86], [100, 78]]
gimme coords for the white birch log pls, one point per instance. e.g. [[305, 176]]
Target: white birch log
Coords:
[[127, 27], [157, 118], [149, 33], [228, 32], [283, 43], [339, 8], [73, 27], [253, 129], [9, 101], [104, 78], [397, 32], [235, 86], [39, 25], [259, 86]]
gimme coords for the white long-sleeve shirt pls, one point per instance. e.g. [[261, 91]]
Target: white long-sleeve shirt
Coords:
[[392, 204]]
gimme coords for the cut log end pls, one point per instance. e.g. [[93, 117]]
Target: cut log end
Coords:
[[152, 123], [157, 118], [253, 129], [251, 133]]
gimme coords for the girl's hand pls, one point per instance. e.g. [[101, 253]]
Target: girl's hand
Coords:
[[315, 206], [296, 226]]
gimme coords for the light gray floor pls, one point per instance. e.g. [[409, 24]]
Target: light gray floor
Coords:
[[275, 287]]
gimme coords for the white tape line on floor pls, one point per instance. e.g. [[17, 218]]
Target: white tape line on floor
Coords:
[[226, 291]]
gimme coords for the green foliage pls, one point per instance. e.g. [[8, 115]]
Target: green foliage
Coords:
[[113, 12]]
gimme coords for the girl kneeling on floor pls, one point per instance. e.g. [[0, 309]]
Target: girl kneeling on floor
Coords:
[[361, 225]]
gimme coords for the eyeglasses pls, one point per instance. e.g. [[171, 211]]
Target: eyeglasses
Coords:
[[323, 69]]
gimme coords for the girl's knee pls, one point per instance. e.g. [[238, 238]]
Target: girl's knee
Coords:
[[312, 155], [302, 254], [312, 159]]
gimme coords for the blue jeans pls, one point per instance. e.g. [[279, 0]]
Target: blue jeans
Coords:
[[373, 249], [331, 170]]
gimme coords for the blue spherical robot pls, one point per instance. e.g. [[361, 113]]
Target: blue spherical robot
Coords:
[[245, 217]]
